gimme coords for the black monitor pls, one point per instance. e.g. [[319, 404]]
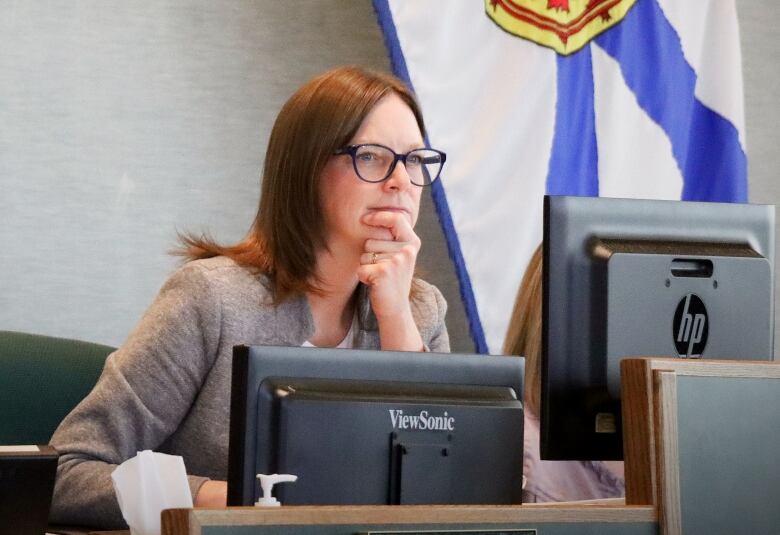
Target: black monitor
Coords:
[[376, 427], [627, 277]]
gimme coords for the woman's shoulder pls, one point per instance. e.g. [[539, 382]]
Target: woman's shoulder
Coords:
[[220, 267], [424, 292], [222, 274], [428, 303]]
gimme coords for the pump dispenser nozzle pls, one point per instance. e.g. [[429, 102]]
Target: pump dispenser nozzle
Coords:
[[267, 482]]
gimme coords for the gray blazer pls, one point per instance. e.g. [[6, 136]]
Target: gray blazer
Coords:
[[168, 387]]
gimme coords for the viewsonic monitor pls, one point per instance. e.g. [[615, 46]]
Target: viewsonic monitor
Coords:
[[625, 278], [376, 427]]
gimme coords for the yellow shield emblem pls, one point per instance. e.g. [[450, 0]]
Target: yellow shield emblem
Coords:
[[563, 25]]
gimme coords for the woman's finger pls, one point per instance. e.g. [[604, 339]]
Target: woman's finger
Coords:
[[396, 222], [375, 258], [383, 246]]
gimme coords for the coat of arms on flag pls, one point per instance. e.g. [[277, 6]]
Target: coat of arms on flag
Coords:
[[563, 25]]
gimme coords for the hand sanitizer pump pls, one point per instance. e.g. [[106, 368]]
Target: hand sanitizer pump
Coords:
[[267, 482]]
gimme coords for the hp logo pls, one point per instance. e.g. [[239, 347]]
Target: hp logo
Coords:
[[690, 327]]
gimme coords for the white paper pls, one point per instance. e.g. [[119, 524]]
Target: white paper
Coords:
[[19, 449], [147, 484]]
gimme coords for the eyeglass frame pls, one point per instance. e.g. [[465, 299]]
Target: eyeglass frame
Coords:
[[351, 150]]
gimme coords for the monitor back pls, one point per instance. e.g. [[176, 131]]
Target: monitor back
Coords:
[[357, 442], [628, 277], [262, 433], [684, 300]]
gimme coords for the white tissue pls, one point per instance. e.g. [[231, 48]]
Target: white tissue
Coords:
[[147, 484]]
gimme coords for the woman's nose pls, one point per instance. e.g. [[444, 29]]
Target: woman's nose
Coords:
[[399, 178]]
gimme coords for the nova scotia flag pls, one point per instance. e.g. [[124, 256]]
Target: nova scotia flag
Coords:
[[637, 98]]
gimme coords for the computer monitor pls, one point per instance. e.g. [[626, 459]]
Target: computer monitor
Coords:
[[376, 427], [626, 277]]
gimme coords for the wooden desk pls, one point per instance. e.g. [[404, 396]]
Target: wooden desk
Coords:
[[333, 520], [680, 418], [68, 530], [71, 530]]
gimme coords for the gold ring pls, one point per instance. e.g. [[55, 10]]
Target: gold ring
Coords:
[[373, 258]]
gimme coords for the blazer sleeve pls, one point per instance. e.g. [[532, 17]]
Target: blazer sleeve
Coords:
[[429, 309], [440, 338], [144, 392]]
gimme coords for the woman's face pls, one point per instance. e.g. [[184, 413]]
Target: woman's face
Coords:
[[346, 199]]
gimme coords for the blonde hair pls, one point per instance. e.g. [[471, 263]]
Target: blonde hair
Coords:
[[524, 336], [288, 230]]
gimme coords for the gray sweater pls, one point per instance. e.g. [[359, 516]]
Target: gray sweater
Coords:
[[168, 387]]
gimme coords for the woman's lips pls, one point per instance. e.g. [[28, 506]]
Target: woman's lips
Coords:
[[397, 209]]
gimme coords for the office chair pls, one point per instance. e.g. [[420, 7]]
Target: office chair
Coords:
[[41, 379]]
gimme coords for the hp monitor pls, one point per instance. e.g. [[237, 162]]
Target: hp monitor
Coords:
[[376, 427], [631, 278]]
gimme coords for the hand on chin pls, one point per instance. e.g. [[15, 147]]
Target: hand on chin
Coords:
[[388, 260]]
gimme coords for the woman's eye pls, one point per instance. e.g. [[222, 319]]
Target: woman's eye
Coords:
[[367, 156], [414, 159]]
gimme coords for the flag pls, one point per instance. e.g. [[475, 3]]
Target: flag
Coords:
[[618, 98]]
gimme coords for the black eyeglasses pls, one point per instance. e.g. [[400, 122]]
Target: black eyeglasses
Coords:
[[375, 163]]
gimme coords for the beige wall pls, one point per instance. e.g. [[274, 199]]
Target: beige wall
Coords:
[[761, 74], [123, 122]]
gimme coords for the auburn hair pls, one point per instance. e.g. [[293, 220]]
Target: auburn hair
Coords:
[[524, 335], [288, 230]]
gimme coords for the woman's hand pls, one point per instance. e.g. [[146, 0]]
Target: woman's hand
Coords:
[[387, 268], [211, 494]]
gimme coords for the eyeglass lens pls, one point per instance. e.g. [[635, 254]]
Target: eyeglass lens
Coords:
[[373, 162]]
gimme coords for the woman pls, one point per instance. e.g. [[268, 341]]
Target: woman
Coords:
[[329, 262], [549, 481]]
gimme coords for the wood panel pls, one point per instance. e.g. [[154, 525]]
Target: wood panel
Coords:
[[190, 521], [637, 393], [638, 431], [651, 412], [668, 460]]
